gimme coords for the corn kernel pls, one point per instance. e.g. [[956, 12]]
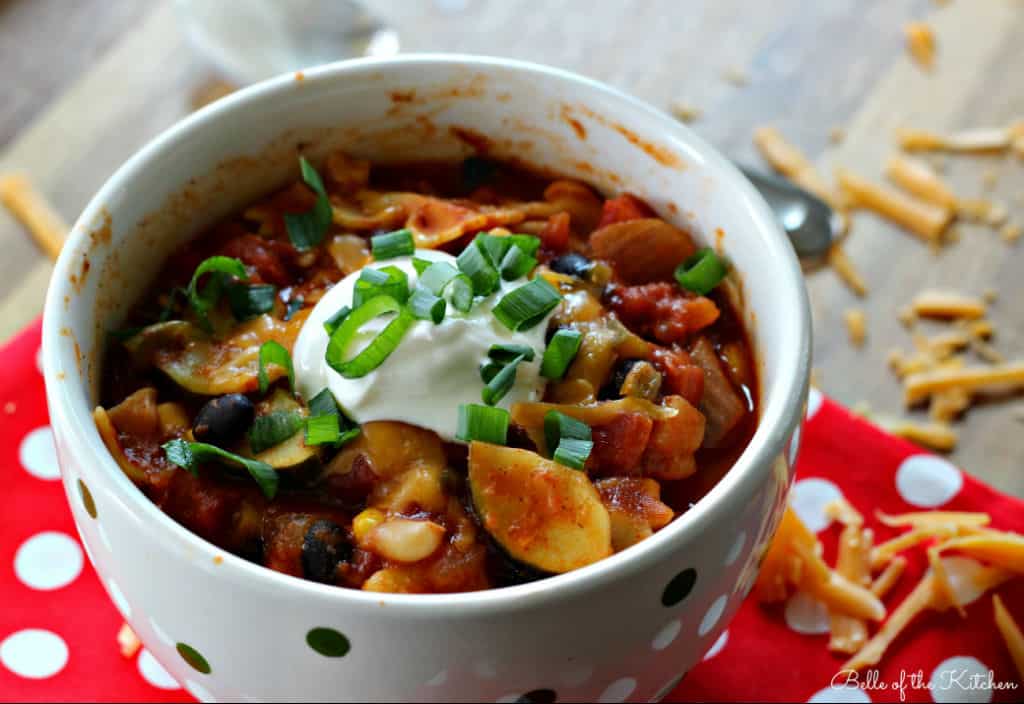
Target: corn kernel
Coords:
[[365, 522]]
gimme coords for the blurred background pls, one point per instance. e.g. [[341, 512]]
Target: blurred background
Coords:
[[86, 83]]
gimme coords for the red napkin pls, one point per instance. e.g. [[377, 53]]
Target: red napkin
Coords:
[[58, 628]]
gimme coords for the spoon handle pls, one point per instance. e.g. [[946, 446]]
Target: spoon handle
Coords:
[[808, 221]]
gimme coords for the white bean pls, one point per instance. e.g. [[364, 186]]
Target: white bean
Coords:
[[405, 540]]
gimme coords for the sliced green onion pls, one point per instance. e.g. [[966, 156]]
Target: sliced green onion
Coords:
[[274, 353], [500, 383], [323, 404], [273, 429], [187, 454], [292, 307], [461, 293], [569, 440], [426, 306], [483, 423], [530, 244], [420, 265], [474, 263], [572, 452], [332, 323], [524, 307], [393, 244], [506, 353], [493, 246], [516, 263], [560, 352], [436, 275], [386, 281], [701, 272], [219, 268], [374, 354], [322, 430], [249, 301], [489, 369], [306, 230]]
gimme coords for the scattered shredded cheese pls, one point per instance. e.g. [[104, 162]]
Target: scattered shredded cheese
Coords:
[[856, 326], [920, 385], [947, 304], [30, 207], [849, 275], [128, 641], [981, 139], [936, 435], [924, 219], [889, 576], [921, 43], [1010, 632], [685, 112], [919, 179]]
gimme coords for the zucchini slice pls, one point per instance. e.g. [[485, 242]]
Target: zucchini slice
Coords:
[[542, 514], [292, 452]]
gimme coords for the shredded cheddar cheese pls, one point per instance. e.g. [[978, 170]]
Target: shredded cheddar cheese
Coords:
[[920, 43], [921, 385], [849, 275], [128, 641], [947, 304], [30, 207], [917, 178], [924, 219], [1010, 632], [856, 326]]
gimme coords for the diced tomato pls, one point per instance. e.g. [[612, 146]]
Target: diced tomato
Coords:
[[619, 444], [622, 208], [267, 257], [682, 376], [663, 311], [555, 235]]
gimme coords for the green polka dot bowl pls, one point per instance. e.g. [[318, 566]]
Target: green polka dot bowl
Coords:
[[625, 628]]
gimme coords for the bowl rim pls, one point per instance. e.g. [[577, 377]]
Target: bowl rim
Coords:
[[779, 418]]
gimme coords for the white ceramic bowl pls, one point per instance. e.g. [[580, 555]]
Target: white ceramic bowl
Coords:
[[626, 627]]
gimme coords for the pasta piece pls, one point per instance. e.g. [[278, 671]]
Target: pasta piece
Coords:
[[842, 265], [890, 575], [926, 220], [947, 304], [28, 205], [128, 641], [920, 43], [918, 386], [928, 519], [919, 179], [1010, 632], [856, 326]]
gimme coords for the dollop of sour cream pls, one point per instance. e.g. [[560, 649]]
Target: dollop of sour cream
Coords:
[[434, 369]]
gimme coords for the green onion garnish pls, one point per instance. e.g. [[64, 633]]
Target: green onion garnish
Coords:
[[462, 293], [393, 244], [292, 307], [560, 352], [516, 263], [386, 281], [489, 369], [528, 243], [323, 404], [493, 246], [436, 276], [501, 382], [420, 265], [483, 423], [322, 430], [273, 429], [701, 272], [526, 306], [374, 354], [426, 306], [187, 454], [307, 229], [249, 301], [568, 439], [219, 269], [273, 353], [332, 323], [474, 263], [506, 353]]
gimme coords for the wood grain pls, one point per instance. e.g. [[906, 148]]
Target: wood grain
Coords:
[[809, 67]]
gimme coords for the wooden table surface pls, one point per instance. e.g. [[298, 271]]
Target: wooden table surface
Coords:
[[86, 83]]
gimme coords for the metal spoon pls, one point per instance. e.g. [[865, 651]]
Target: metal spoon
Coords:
[[811, 224]]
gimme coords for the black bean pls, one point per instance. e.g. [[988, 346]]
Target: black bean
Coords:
[[322, 549], [612, 389], [222, 420], [572, 264]]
